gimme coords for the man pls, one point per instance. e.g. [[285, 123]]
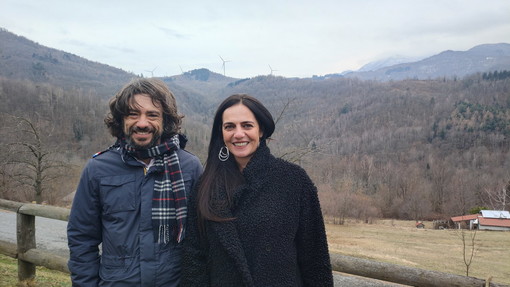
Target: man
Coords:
[[131, 198]]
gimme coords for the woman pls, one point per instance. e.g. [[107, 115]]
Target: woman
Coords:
[[255, 220]]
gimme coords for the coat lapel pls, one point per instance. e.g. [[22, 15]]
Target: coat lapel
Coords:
[[255, 174], [229, 239]]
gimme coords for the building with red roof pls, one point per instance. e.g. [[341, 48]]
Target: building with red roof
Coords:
[[484, 220]]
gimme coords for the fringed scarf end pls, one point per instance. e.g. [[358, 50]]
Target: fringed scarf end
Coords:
[[163, 234], [180, 234]]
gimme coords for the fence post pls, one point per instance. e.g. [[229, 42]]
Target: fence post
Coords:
[[25, 234]]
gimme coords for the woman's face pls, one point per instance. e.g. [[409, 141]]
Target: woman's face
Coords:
[[241, 133]]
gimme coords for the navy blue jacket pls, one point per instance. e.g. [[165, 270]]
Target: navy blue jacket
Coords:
[[112, 207]]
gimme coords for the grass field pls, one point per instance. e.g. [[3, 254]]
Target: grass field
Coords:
[[44, 277], [392, 241], [400, 242]]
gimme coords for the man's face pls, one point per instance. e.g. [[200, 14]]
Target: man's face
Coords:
[[143, 126]]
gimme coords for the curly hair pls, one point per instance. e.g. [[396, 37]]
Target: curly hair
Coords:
[[123, 102]]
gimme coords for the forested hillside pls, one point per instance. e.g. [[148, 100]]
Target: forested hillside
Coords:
[[21, 58], [411, 149], [406, 149]]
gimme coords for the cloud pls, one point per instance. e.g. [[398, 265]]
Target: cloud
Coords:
[[301, 38], [172, 33]]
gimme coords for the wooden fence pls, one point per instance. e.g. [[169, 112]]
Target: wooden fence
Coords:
[[29, 256], [25, 250]]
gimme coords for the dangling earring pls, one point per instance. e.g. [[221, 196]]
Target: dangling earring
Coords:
[[224, 155]]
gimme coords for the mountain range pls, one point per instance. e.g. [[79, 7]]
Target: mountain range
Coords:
[[448, 64], [21, 58]]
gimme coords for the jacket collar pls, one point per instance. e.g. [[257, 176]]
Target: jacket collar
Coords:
[[257, 168]]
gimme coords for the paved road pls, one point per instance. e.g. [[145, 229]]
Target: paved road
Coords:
[[50, 234]]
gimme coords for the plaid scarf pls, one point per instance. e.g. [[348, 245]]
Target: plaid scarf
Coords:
[[169, 198]]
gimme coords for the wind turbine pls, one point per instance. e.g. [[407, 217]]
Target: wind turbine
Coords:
[[152, 72], [224, 61], [271, 69]]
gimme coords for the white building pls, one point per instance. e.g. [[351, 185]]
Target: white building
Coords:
[[485, 220]]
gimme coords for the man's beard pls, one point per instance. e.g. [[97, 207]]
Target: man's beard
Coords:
[[155, 138]]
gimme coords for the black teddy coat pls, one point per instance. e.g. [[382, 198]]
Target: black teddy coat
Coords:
[[276, 239]]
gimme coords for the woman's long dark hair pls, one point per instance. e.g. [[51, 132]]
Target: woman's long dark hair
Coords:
[[225, 176]]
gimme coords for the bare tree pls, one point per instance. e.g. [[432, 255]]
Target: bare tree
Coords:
[[499, 199], [468, 246], [460, 196], [283, 111], [440, 175], [30, 161], [297, 152]]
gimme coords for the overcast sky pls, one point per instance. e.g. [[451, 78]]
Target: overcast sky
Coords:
[[295, 38]]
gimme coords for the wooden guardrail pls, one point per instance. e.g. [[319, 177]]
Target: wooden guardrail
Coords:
[[29, 256], [404, 275], [25, 250]]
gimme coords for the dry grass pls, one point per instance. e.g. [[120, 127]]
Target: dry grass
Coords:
[[44, 276], [400, 242]]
